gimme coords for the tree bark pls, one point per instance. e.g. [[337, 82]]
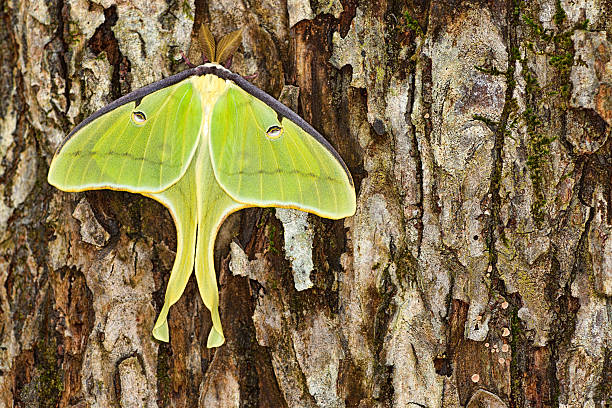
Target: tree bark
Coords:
[[477, 270]]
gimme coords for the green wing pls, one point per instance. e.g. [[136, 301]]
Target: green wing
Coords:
[[138, 148], [263, 161], [152, 142]]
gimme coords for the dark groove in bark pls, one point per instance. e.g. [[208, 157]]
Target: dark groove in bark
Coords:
[[385, 311], [117, 377], [494, 223], [603, 390], [62, 10], [267, 231], [416, 156], [11, 84], [565, 305], [104, 40], [427, 100], [349, 10]]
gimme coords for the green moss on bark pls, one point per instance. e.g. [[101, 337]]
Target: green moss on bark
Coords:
[[557, 92]]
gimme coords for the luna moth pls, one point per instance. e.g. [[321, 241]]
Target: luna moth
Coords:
[[204, 143]]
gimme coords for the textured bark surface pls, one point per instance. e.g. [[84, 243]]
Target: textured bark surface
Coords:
[[476, 272]]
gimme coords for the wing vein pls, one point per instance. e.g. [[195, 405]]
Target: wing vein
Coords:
[[242, 150], [299, 149], [325, 168], [163, 155], [67, 175], [151, 127], [295, 167], [113, 146], [269, 143], [91, 157]]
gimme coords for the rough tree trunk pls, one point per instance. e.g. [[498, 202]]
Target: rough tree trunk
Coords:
[[477, 270]]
